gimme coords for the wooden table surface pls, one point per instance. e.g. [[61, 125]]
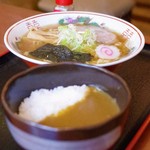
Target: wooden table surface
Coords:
[[135, 72], [141, 17], [10, 15]]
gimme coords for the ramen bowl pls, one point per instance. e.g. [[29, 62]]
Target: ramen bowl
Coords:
[[31, 135], [103, 53]]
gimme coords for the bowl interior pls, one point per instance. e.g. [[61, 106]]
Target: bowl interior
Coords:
[[21, 85], [135, 38]]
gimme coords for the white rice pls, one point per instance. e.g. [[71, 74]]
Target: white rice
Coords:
[[43, 102]]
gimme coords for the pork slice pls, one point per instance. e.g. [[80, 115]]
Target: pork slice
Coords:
[[102, 35], [105, 37]]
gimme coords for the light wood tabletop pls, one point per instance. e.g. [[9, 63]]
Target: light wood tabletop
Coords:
[[11, 14]]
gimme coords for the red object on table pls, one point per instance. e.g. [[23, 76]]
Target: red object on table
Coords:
[[141, 140], [64, 2]]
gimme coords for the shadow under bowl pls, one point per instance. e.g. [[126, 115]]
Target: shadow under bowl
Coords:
[[30, 135]]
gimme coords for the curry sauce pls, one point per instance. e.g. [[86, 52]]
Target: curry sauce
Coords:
[[96, 107]]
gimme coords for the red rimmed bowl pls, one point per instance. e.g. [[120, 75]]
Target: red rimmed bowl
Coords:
[[135, 39]]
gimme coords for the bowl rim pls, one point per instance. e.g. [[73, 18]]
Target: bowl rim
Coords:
[[24, 124], [35, 61]]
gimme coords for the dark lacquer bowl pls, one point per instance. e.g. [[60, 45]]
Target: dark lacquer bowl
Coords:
[[30, 135]]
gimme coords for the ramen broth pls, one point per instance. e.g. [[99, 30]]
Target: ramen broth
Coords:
[[102, 44], [96, 107]]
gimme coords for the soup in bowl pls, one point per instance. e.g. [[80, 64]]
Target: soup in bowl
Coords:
[[66, 106], [82, 37]]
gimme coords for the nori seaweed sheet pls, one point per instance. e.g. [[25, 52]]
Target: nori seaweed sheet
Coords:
[[59, 53]]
